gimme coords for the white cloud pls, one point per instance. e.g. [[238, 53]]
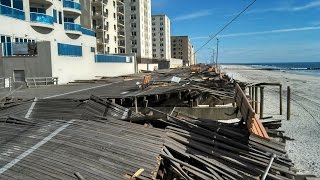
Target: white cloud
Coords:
[[194, 15], [272, 31], [313, 4], [308, 28], [310, 5]]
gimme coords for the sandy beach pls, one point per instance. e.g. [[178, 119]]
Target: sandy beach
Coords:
[[304, 126]]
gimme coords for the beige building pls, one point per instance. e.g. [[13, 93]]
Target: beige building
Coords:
[[108, 22], [181, 48], [161, 35], [138, 28]]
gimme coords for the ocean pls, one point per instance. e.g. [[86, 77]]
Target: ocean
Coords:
[[311, 68]]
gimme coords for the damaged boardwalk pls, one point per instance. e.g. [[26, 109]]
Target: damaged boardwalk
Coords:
[[121, 129]]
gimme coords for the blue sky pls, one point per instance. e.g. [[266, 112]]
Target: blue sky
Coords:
[[270, 31]]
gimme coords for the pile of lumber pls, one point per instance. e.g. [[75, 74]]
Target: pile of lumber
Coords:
[[196, 149]]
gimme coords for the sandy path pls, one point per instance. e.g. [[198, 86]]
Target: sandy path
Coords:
[[304, 126]]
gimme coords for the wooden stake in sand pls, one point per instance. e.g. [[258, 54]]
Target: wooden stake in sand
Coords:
[[261, 101], [288, 103]]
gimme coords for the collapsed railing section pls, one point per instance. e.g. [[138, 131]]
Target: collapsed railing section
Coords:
[[248, 115]]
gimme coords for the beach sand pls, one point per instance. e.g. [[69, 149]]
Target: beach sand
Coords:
[[304, 126]]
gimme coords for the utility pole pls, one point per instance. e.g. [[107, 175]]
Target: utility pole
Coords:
[[212, 56], [217, 53]]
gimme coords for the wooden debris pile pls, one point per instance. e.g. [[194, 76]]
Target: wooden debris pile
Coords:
[[8, 102], [196, 149]]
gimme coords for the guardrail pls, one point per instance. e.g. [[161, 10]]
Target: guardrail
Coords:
[[41, 81]]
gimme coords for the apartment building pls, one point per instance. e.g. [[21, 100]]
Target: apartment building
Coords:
[[52, 38], [108, 23], [138, 28], [181, 48], [161, 35]]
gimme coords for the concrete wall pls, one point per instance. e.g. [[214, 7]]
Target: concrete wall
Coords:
[[176, 63], [213, 113], [33, 66], [147, 67]]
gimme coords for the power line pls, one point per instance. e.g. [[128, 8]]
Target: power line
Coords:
[[224, 27]]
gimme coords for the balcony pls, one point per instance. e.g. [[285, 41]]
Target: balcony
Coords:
[[71, 7], [120, 2], [41, 20], [99, 15], [88, 32], [12, 12], [122, 44], [44, 2], [120, 22], [121, 34], [120, 11], [72, 28]]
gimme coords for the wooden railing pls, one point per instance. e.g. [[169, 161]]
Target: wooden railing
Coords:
[[252, 120]]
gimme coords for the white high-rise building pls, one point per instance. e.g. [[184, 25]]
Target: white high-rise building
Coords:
[[108, 22], [138, 28], [161, 34], [51, 38]]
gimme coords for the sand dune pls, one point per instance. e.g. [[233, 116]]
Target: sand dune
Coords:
[[304, 126]]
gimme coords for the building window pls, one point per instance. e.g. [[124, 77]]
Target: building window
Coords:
[[134, 33], [134, 50], [6, 2], [38, 10], [133, 25], [60, 17], [161, 44], [153, 29], [133, 16], [55, 18], [154, 55], [133, 8], [69, 50], [161, 29], [134, 42], [18, 4]]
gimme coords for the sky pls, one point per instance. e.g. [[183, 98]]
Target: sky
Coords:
[[269, 31]]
